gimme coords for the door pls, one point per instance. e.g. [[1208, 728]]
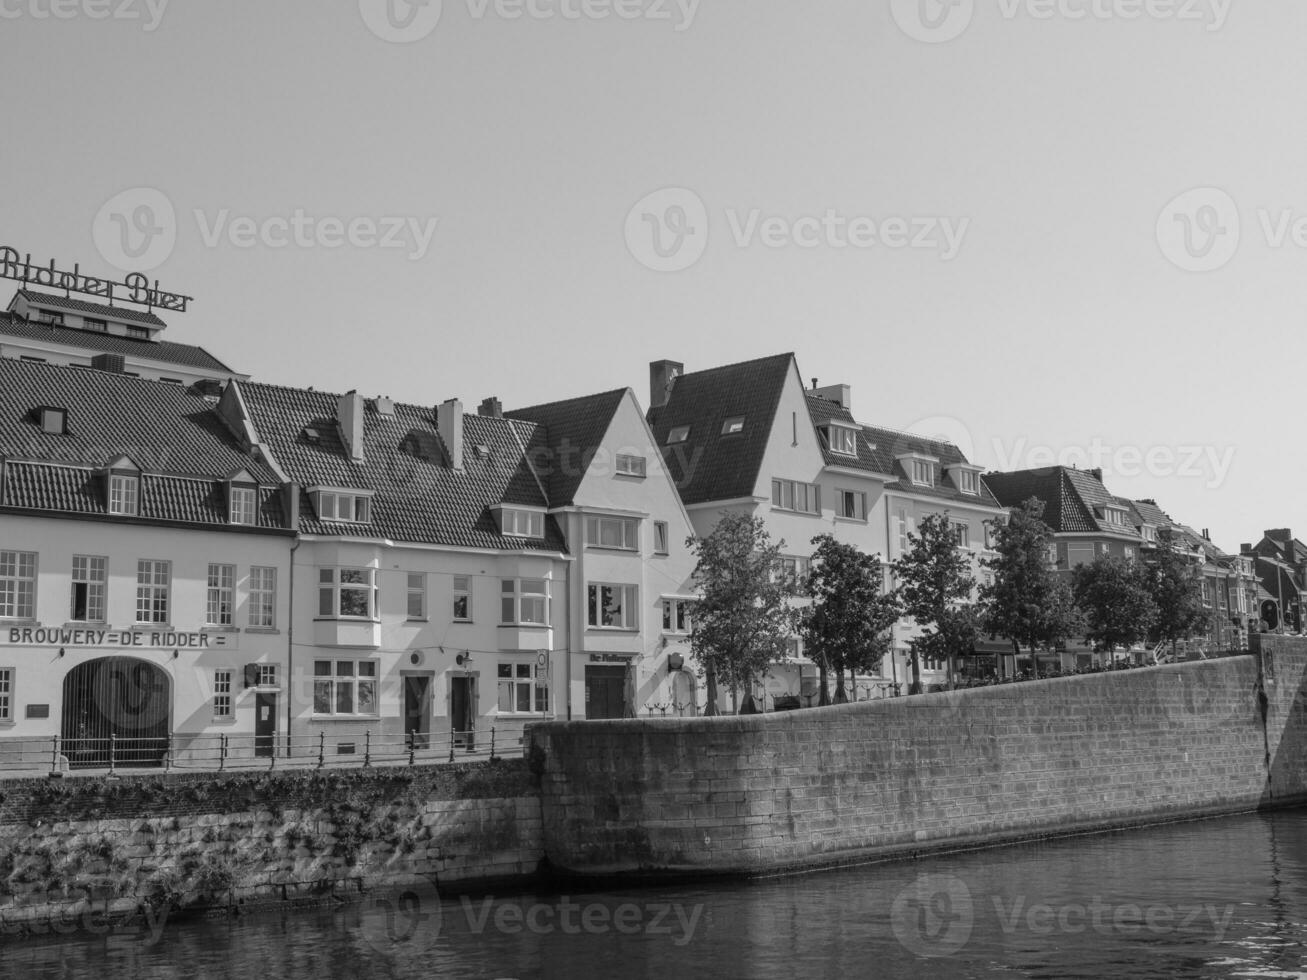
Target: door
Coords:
[[605, 692], [417, 709], [462, 710], [265, 724]]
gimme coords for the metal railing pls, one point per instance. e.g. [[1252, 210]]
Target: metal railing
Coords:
[[218, 752]]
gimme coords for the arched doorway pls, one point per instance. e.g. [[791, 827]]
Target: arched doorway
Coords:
[[122, 699], [1271, 614]]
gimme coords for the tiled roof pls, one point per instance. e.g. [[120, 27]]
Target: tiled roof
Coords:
[[889, 444], [418, 496], [573, 430], [1070, 497], [725, 467], [185, 451], [84, 308], [153, 350], [871, 457]]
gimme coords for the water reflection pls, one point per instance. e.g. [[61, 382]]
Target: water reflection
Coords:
[[1220, 898]]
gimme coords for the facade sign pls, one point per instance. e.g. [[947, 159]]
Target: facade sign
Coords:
[[110, 639], [135, 288]]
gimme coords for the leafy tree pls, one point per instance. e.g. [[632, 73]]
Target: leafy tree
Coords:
[[1114, 596], [1029, 602], [745, 617], [1177, 589], [934, 577], [847, 627]]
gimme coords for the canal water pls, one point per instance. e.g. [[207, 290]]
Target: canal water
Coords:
[[1216, 898]]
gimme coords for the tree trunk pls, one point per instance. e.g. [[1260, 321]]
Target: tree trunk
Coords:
[[710, 709], [1016, 652], [915, 659], [823, 696], [952, 662], [841, 693]]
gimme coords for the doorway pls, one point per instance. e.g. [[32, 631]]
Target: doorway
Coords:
[[462, 710], [605, 692], [417, 710], [265, 724], [119, 699]]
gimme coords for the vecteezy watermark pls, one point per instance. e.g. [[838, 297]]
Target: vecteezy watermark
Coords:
[[136, 230], [936, 916], [148, 12], [1191, 462], [1202, 229], [76, 912], [406, 21], [668, 230], [938, 21]]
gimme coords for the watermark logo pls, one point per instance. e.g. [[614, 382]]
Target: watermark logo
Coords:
[[933, 21], [401, 21], [667, 231], [404, 917], [148, 12], [1199, 230], [131, 693], [136, 229], [933, 916], [299, 229]]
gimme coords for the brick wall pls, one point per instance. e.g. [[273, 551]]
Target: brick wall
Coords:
[[849, 783]]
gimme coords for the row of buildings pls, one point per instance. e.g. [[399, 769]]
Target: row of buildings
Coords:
[[187, 552]]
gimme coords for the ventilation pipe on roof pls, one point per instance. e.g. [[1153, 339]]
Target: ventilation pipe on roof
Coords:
[[349, 415], [662, 375], [449, 422]]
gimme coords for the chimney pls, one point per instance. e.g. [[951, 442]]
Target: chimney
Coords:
[[449, 422], [1246, 548], [1096, 473], [839, 394], [385, 406], [112, 363], [662, 375], [292, 491], [349, 415], [491, 408]]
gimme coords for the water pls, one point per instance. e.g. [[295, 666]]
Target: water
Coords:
[[1218, 898]]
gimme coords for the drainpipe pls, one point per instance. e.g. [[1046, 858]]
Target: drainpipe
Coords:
[[293, 519]]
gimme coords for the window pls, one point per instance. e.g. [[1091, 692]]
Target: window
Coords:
[[793, 569], [904, 529], [97, 326], [417, 596], [347, 593], [923, 473], [124, 494], [522, 523], [463, 598], [50, 316], [263, 597], [243, 505], [962, 533], [969, 481], [803, 498], [1052, 554], [1129, 553], [221, 594], [1116, 517], [989, 536], [31, 360], [843, 440], [660, 538], [89, 582], [172, 381], [631, 465], [733, 426], [222, 706], [613, 606], [676, 616], [524, 601], [345, 687], [6, 694], [679, 433], [851, 504], [54, 421], [1149, 534], [17, 585], [349, 508], [138, 333], [613, 532], [1079, 554], [519, 691], [267, 676], [152, 580]]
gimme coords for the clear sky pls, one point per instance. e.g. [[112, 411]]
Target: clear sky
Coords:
[[963, 210]]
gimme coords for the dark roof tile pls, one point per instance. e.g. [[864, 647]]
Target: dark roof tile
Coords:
[[573, 430], [164, 351]]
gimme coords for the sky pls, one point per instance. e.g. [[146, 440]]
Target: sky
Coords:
[[1049, 230]]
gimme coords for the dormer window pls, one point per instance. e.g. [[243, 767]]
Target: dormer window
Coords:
[[842, 439], [95, 326], [243, 505], [53, 420], [921, 471], [1116, 517], [733, 426], [124, 494], [969, 482], [517, 522], [50, 316], [678, 434], [344, 506], [137, 333]]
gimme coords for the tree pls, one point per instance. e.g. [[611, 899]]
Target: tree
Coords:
[[1114, 596], [847, 627], [1029, 602], [745, 617], [1177, 589], [934, 577]]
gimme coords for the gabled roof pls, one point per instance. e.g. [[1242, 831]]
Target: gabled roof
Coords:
[[85, 308], [726, 466], [573, 430], [418, 496], [889, 444], [164, 351], [1073, 499], [173, 434], [872, 457]]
